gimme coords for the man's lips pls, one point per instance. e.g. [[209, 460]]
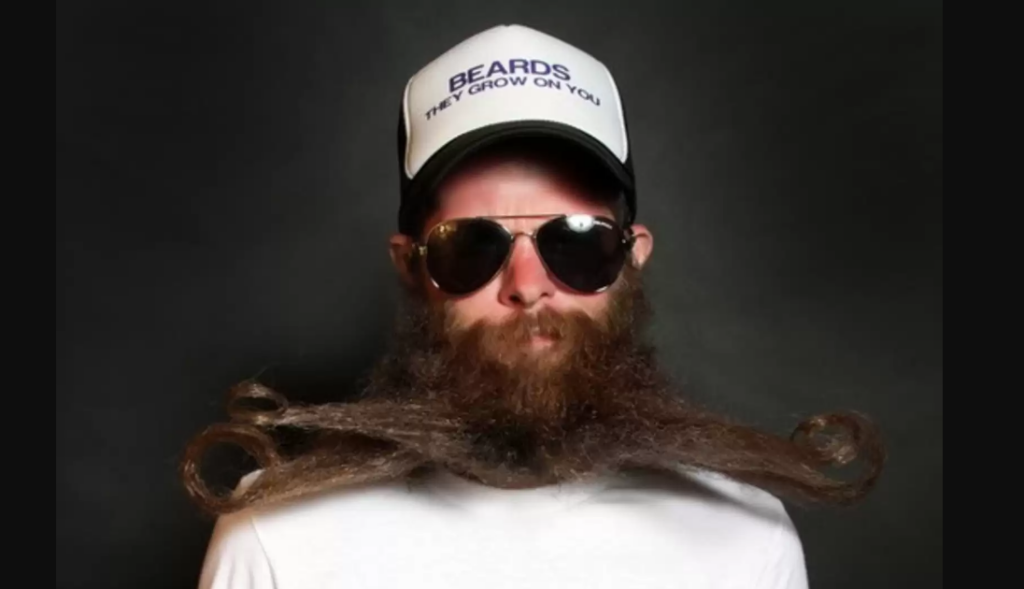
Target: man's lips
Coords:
[[543, 338]]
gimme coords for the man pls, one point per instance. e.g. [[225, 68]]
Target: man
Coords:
[[519, 432]]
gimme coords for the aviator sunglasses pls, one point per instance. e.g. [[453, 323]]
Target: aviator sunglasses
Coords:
[[584, 252]]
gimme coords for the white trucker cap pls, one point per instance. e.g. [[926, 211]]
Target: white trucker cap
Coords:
[[508, 82]]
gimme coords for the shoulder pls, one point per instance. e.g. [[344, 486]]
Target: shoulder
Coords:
[[702, 493], [258, 547], [743, 529], [740, 497], [778, 547], [236, 556]]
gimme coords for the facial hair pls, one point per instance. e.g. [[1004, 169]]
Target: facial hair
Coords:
[[482, 402]]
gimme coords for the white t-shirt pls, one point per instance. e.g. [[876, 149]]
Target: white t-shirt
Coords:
[[627, 532]]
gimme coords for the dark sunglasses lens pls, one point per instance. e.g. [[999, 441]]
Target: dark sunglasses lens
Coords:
[[586, 254], [463, 256]]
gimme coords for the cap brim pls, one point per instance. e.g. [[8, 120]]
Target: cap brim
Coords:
[[439, 167]]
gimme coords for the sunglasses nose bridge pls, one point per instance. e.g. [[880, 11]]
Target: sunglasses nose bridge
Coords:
[[517, 237], [526, 279]]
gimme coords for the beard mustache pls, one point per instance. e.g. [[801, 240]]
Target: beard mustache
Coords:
[[528, 415], [484, 403]]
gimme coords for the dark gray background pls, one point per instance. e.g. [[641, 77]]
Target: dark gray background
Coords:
[[226, 184]]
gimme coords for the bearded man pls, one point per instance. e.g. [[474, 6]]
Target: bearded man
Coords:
[[519, 432]]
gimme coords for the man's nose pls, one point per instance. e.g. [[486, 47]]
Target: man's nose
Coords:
[[526, 282]]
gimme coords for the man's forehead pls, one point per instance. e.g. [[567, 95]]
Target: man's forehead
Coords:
[[529, 209], [511, 187]]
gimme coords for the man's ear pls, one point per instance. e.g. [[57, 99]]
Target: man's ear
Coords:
[[643, 249], [403, 258]]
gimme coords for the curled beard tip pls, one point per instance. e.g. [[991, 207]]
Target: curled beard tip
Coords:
[[252, 440], [839, 439], [255, 404]]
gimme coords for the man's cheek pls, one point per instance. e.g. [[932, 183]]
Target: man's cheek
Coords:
[[599, 306], [456, 316], [469, 311]]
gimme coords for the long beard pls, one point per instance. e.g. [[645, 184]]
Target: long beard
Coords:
[[483, 403], [529, 415]]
